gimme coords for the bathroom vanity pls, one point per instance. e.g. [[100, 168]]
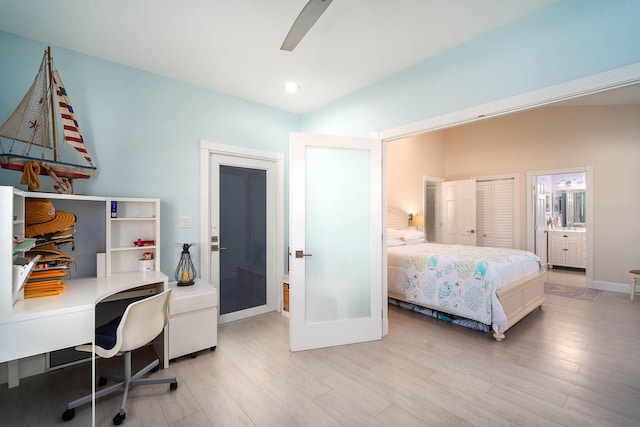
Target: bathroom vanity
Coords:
[[567, 248]]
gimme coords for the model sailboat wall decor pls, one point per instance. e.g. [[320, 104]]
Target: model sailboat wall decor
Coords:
[[32, 129]]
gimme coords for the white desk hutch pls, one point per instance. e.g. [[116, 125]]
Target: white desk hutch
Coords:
[[31, 329]]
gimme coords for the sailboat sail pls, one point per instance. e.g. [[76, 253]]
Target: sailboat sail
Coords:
[[29, 122], [33, 123], [70, 127]]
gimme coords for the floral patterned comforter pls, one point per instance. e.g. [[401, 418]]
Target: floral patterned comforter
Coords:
[[461, 280]]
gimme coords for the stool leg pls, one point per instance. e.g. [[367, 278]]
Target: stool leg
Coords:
[[634, 282]]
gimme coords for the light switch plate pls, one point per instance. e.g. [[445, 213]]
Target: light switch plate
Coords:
[[185, 222]]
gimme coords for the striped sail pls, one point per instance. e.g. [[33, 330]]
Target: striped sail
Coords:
[[70, 127]]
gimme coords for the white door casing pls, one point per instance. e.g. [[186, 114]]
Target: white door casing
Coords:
[[209, 266]]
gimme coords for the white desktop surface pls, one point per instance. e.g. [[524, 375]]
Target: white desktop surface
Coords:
[[45, 324]]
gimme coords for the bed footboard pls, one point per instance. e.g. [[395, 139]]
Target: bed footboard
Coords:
[[519, 299]]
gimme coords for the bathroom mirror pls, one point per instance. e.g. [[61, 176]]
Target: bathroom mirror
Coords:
[[578, 219], [571, 207]]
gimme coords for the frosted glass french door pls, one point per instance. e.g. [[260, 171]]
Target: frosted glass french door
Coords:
[[243, 238], [335, 241]]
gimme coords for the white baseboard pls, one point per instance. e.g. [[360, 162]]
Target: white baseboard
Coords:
[[611, 286]]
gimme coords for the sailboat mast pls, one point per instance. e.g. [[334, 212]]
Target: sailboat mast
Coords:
[[53, 109]]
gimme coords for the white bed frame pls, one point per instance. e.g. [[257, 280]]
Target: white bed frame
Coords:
[[518, 298]]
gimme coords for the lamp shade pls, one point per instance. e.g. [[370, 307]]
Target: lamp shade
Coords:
[[417, 221]]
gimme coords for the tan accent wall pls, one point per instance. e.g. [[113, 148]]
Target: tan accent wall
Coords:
[[607, 138], [408, 160]]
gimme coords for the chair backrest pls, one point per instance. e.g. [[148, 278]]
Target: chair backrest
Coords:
[[142, 321]]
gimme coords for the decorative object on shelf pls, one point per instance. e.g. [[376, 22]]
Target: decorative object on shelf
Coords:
[[185, 272], [141, 242], [30, 125], [146, 263]]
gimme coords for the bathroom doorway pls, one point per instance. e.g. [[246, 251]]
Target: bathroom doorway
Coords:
[[560, 223]]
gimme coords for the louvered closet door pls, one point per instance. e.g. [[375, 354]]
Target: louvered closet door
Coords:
[[495, 213], [485, 219], [503, 211]]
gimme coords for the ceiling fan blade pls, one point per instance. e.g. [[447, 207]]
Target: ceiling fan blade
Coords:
[[303, 23]]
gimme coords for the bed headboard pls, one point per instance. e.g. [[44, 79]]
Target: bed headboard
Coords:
[[397, 218]]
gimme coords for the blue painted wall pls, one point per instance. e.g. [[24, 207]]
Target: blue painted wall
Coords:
[[144, 131], [563, 42]]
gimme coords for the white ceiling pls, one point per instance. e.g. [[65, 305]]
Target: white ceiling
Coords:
[[233, 46]]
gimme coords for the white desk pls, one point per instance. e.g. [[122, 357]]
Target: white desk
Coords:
[[41, 325]]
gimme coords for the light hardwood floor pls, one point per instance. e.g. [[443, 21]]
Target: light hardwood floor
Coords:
[[572, 363], [568, 276]]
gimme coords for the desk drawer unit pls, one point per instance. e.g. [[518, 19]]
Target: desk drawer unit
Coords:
[[193, 319]]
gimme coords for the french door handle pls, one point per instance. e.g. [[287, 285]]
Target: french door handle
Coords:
[[301, 254]]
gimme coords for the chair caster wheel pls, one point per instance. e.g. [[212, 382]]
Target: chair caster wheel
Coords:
[[69, 414], [119, 418], [173, 386], [194, 355], [102, 381]]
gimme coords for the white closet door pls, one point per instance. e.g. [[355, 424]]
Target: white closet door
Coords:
[[496, 213], [503, 213], [459, 212], [485, 202]]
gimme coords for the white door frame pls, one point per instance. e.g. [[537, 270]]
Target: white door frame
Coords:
[[601, 82], [206, 150]]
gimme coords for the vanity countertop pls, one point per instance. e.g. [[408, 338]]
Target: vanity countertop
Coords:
[[568, 230]]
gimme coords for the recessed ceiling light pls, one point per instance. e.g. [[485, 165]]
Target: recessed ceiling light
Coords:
[[291, 87]]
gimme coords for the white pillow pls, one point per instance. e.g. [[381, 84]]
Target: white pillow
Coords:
[[394, 234], [395, 242], [411, 234], [415, 241]]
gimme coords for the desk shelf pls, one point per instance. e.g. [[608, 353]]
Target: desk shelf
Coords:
[[134, 248], [134, 219]]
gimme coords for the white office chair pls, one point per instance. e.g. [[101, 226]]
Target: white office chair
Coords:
[[141, 322]]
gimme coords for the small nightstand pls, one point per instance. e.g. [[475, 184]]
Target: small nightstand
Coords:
[[193, 318]]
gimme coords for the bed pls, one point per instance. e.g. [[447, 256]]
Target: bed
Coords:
[[490, 287]]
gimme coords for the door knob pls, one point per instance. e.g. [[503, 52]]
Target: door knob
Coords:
[[300, 254]]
